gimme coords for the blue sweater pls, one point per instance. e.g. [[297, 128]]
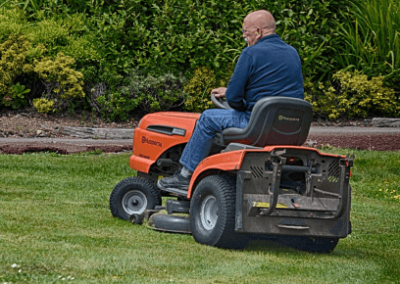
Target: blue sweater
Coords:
[[269, 68]]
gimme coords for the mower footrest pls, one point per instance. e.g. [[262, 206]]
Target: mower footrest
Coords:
[[178, 192]]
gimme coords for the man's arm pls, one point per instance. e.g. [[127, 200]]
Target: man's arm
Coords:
[[237, 85]]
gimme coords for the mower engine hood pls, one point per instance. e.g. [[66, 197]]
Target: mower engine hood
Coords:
[[158, 132]]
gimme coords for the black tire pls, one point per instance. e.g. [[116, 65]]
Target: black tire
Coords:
[[318, 245], [220, 192], [129, 191]]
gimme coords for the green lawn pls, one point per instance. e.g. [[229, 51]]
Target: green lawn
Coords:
[[55, 221]]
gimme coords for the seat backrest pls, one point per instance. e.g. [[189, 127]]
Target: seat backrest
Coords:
[[274, 121]]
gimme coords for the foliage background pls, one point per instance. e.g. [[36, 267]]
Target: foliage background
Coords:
[[109, 40]]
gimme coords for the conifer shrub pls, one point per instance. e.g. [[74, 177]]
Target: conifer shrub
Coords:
[[199, 88], [62, 82], [13, 62], [42, 105], [19, 60]]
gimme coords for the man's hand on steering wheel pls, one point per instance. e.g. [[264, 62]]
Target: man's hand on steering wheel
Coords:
[[219, 92], [218, 98]]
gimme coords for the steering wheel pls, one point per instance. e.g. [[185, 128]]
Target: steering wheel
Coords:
[[220, 102]]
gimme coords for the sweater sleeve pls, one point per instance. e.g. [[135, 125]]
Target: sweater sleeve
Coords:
[[235, 93]]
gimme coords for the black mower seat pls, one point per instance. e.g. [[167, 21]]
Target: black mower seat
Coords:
[[273, 121]]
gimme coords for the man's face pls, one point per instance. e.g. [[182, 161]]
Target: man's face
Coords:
[[249, 33]]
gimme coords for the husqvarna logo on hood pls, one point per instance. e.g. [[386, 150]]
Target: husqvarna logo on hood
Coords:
[[151, 142]]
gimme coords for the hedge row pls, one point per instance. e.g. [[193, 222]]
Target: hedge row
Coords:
[[131, 54]]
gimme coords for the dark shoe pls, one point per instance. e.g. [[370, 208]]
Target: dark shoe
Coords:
[[177, 181]]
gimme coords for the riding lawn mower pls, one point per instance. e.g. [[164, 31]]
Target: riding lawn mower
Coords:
[[256, 182]]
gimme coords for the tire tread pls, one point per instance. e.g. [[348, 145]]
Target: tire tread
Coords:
[[115, 194], [226, 236]]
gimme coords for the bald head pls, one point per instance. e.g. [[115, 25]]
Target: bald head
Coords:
[[262, 19], [256, 25]]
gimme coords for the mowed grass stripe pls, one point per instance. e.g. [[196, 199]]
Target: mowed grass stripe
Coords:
[[55, 221]]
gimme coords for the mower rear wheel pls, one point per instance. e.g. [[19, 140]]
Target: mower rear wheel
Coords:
[[212, 214], [133, 195]]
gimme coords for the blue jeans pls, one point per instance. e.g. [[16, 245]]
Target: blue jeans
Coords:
[[211, 121]]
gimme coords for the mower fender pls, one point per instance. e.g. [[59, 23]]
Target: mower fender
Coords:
[[225, 162]]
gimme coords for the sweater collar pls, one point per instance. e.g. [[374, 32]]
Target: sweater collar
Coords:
[[268, 37]]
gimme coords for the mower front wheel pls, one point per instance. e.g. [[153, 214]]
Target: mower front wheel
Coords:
[[133, 195], [212, 214]]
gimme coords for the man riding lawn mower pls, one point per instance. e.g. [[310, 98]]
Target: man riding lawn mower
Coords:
[[239, 171]]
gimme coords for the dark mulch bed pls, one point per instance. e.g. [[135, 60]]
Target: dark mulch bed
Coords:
[[61, 148], [360, 141]]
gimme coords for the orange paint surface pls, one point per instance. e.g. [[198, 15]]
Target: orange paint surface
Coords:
[[224, 161], [148, 146], [233, 161]]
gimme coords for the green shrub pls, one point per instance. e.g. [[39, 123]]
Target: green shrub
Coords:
[[66, 35], [42, 105], [13, 55], [360, 96], [198, 90], [62, 82], [17, 57], [353, 96], [147, 92], [49, 32], [82, 50], [12, 21], [18, 96], [323, 98], [155, 93], [115, 105]]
